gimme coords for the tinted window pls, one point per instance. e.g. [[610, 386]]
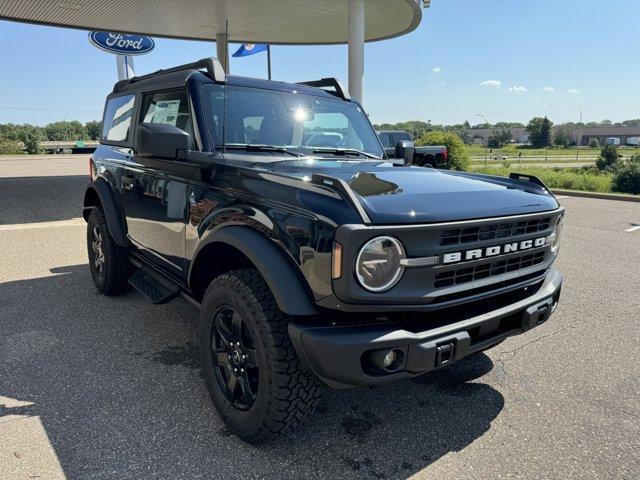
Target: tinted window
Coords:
[[117, 119], [385, 138], [168, 108], [397, 137]]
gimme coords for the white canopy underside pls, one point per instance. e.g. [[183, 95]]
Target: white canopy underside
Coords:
[[250, 21]]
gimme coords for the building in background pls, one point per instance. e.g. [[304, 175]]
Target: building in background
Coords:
[[584, 135]]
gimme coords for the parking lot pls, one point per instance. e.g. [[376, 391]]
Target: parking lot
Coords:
[[97, 387]]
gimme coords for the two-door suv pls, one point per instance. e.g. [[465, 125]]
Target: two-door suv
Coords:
[[312, 256]]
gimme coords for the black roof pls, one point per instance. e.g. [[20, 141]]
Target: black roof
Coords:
[[177, 76], [276, 85]]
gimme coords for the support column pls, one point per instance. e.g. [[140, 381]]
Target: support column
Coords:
[[222, 48], [125, 67], [356, 49]]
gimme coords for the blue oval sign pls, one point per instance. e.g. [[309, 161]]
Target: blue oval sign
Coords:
[[122, 44]]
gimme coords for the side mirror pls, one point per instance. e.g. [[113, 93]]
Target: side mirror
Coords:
[[405, 150], [160, 141]]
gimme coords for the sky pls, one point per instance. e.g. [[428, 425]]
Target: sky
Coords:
[[509, 60]]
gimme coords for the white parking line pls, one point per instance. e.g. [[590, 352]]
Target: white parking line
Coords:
[[558, 197], [73, 222]]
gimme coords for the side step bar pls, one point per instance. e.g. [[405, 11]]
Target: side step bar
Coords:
[[157, 289]]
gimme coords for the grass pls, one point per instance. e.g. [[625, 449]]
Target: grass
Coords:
[[568, 178], [514, 151]]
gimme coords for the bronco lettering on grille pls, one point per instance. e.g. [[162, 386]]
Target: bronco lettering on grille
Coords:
[[477, 253]]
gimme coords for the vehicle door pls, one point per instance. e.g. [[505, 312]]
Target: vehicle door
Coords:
[[155, 201]]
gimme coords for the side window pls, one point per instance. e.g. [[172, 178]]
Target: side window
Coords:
[[117, 119], [168, 108]]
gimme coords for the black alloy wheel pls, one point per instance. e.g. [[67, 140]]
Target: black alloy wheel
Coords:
[[234, 358], [108, 262], [97, 248]]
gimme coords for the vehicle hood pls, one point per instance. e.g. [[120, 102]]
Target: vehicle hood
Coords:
[[402, 195]]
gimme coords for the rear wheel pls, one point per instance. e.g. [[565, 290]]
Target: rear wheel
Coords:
[[109, 262], [252, 370], [430, 161]]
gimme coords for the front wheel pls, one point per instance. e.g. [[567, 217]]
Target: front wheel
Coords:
[[252, 370]]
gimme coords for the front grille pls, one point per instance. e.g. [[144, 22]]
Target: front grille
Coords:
[[457, 236], [484, 270]]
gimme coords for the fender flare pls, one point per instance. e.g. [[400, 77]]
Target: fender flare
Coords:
[[104, 192], [286, 284]]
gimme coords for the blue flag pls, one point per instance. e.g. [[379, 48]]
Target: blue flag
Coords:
[[249, 49]]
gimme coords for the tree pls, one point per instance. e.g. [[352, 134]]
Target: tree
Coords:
[[416, 128], [458, 156], [460, 129], [28, 136], [94, 129], [627, 178], [593, 143], [562, 136], [31, 136], [499, 138], [539, 130], [10, 147], [508, 125], [609, 158], [63, 131]]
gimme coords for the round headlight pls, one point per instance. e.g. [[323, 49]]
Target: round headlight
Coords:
[[554, 238], [378, 264]]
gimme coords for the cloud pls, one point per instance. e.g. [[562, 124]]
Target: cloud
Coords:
[[549, 89], [573, 91], [436, 70], [443, 83], [546, 106], [432, 85], [518, 89], [492, 83]]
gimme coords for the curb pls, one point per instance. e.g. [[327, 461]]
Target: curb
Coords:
[[601, 196]]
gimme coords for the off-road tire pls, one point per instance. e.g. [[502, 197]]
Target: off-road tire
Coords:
[[112, 280], [286, 394]]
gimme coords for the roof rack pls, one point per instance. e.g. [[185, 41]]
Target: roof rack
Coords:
[[211, 64], [330, 82]]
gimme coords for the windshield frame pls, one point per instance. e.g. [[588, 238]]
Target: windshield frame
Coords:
[[366, 128]]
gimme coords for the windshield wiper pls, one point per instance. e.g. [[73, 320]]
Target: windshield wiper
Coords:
[[250, 147], [344, 151]]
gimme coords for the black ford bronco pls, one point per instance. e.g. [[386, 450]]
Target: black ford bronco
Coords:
[[312, 257]]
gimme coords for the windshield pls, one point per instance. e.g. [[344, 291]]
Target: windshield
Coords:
[[298, 123]]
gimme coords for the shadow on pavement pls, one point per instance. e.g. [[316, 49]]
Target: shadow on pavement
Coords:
[[41, 199], [116, 384]]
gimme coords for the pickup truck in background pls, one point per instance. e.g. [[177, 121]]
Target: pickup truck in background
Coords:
[[429, 155]]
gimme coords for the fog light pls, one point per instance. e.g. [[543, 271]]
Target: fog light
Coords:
[[385, 361], [390, 358]]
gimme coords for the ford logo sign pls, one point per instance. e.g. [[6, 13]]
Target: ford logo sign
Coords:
[[122, 44]]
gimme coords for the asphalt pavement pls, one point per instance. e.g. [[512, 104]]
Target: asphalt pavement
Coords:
[[110, 388]]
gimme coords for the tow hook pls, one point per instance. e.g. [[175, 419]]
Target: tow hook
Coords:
[[444, 353]]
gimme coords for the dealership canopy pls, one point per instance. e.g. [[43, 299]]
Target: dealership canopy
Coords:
[[244, 21]]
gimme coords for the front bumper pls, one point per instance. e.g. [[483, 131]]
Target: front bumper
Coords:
[[341, 355]]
